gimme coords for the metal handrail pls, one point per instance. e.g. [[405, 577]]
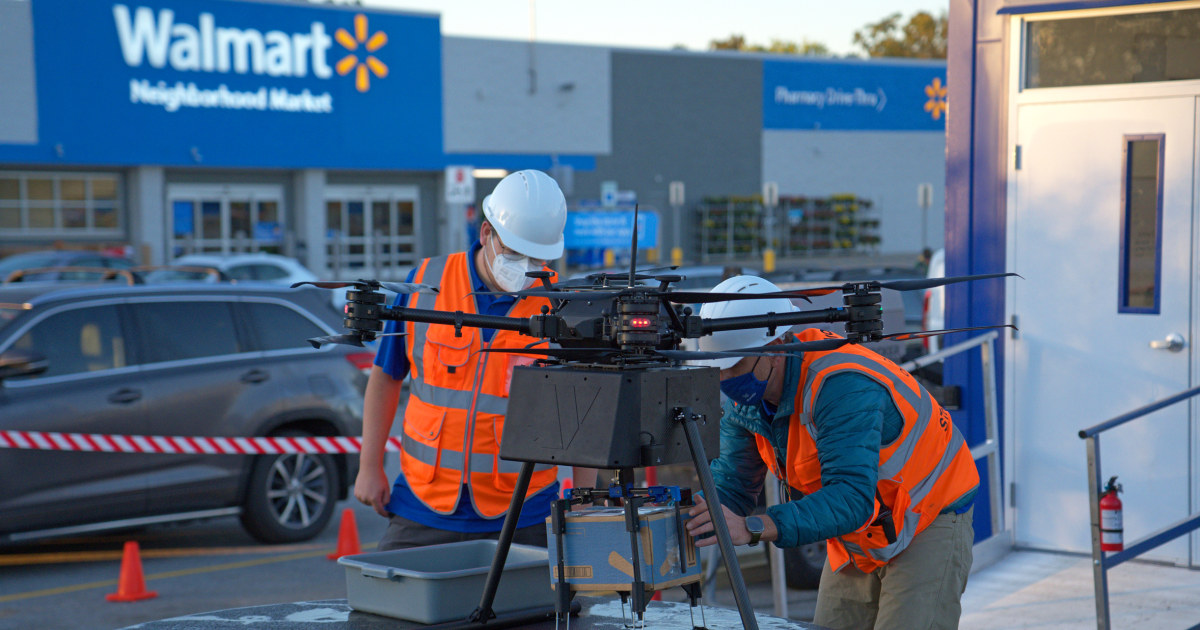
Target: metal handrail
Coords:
[[1100, 562]]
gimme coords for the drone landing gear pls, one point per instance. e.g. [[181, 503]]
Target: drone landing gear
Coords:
[[684, 415]]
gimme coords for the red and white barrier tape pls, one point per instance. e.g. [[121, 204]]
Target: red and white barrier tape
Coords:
[[192, 445]]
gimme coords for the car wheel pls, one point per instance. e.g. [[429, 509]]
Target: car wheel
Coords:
[[803, 565], [290, 497]]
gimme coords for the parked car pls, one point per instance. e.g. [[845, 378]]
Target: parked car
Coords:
[[260, 267], [44, 259], [178, 360]]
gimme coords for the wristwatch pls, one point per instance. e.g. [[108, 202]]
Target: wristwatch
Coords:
[[754, 524]]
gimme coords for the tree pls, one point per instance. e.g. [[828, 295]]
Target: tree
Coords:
[[923, 37], [738, 43]]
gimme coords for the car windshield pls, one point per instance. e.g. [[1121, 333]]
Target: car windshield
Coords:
[[27, 261]]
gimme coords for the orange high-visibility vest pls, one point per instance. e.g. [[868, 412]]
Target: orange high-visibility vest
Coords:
[[458, 396], [922, 472]]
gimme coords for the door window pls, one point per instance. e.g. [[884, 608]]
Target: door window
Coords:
[[278, 327], [77, 341], [226, 218], [176, 331], [1141, 215]]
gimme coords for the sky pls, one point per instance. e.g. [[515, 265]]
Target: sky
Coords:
[[664, 23]]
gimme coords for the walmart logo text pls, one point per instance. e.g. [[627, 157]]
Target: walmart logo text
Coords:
[[160, 41]]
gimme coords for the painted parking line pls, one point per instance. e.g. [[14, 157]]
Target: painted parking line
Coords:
[[230, 566], [67, 557]]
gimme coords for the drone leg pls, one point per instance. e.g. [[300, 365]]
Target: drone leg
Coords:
[[720, 529], [695, 594], [562, 595], [484, 612], [632, 503]]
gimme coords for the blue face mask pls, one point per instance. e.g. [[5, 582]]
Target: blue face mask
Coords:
[[745, 389]]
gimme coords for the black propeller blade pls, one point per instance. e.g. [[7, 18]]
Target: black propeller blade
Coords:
[[350, 340], [394, 287], [702, 297], [920, 334]]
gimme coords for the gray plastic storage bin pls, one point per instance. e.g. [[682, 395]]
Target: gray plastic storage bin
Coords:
[[440, 583]]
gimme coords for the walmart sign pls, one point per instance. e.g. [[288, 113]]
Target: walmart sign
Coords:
[[852, 95], [222, 83]]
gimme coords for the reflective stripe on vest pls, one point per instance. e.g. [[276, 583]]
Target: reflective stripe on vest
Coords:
[[927, 429], [480, 463], [458, 399], [430, 274]]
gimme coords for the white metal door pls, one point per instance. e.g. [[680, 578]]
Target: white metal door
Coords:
[[1083, 355], [220, 218]]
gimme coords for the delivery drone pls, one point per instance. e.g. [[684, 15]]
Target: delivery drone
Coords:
[[615, 390]]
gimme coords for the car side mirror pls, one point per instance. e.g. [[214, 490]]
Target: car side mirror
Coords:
[[22, 363]]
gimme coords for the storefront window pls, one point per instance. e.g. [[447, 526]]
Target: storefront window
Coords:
[[67, 204], [10, 189]]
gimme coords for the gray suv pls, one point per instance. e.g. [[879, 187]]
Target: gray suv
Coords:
[[174, 360]]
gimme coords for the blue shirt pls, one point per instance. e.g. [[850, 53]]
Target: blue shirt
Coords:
[[391, 357]]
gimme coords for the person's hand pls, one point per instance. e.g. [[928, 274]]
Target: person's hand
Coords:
[[701, 523], [372, 488]]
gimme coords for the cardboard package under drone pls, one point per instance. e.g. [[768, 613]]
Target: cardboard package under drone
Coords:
[[609, 417], [597, 556], [441, 583]]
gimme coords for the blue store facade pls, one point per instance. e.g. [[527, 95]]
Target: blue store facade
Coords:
[[325, 132]]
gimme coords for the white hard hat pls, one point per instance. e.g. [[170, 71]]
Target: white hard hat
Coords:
[[745, 338], [529, 212]]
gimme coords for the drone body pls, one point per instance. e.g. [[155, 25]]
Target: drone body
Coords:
[[606, 417]]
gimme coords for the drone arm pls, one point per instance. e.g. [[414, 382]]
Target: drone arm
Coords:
[[533, 326], [773, 320]]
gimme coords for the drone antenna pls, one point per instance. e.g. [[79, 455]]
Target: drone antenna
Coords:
[[633, 247]]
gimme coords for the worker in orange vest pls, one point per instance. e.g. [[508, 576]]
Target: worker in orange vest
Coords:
[[875, 465], [452, 485]]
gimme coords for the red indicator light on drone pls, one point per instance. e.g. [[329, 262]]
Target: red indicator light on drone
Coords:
[[641, 322]]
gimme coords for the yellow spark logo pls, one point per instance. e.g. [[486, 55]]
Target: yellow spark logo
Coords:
[[937, 102], [369, 65]]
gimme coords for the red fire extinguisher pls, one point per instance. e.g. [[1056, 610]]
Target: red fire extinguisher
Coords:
[[1111, 521]]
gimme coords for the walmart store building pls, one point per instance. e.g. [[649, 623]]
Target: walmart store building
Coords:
[[167, 126]]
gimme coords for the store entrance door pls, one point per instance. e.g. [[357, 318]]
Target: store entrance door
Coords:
[[225, 219], [372, 230]]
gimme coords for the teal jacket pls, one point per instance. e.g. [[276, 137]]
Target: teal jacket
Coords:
[[853, 416]]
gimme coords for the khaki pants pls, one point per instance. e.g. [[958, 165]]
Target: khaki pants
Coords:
[[920, 588]]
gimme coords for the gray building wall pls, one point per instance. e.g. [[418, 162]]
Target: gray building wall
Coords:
[[520, 97], [18, 94], [686, 117], [885, 167]]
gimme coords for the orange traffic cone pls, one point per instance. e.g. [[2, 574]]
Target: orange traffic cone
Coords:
[[347, 536], [131, 586]]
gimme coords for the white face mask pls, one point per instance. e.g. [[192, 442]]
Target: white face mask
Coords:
[[509, 270]]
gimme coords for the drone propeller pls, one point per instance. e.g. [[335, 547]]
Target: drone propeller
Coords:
[[349, 340], [701, 297], [920, 334], [394, 287]]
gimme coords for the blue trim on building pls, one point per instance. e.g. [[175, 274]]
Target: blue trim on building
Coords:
[[1027, 9], [517, 161]]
